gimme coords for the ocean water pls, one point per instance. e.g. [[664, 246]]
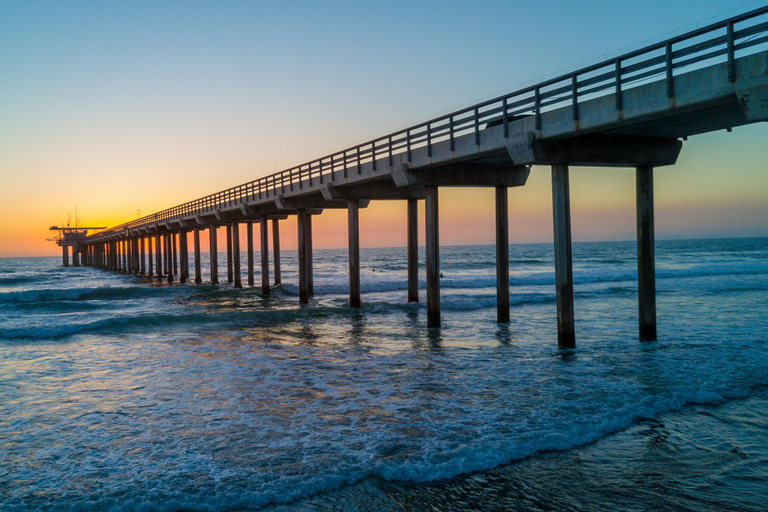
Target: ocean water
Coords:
[[121, 393]]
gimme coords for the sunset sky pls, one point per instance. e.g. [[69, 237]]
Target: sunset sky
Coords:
[[119, 107]]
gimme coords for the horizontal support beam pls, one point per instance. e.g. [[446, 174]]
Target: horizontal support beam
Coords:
[[462, 174], [378, 190], [595, 150], [311, 202]]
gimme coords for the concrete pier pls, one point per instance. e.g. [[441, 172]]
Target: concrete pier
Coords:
[[566, 334], [264, 253], [169, 257], [65, 255], [236, 254], [198, 263], [646, 265], [230, 274], [175, 248], [214, 254], [150, 271], [413, 250], [183, 258], [310, 257], [142, 256], [301, 223], [249, 233], [276, 250], [353, 231], [433, 257], [623, 112], [502, 256], [158, 257]]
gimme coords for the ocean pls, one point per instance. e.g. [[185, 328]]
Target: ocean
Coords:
[[122, 393]]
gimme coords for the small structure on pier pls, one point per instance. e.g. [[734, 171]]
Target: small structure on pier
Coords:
[[72, 237]]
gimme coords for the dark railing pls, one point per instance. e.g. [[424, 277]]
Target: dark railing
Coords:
[[719, 42]]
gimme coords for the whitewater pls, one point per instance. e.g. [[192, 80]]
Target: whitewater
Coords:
[[122, 393]]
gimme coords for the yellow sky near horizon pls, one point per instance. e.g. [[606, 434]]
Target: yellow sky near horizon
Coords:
[[718, 188]]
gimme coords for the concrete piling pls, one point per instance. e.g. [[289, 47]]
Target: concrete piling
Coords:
[[646, 265], [566, 336], [236, 254], [276, 249], [413, 250], [230, 274], [264, 253], [302, 250], [433, 257], [213, 240], [353, 228], [198, 263], [249, 236], [502, 256]]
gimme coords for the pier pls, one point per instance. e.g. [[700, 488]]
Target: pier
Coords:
[[632, 111]]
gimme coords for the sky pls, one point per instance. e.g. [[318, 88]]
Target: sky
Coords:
[[116, 109]]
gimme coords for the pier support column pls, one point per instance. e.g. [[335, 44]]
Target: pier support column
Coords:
[[561, 210], [183, 257], [433, 257], [276, 249], [413, 250], [353, 231], [214, 242], [169, 257], [198, 264], [149, 257], [310, 257], [264, 230], [158, 256], [302, 240], [64, 255], [502, 256], [236, 254], [125, 254], [142, 261], [249, 232], [174, 246], [646, 260], [230, 275]]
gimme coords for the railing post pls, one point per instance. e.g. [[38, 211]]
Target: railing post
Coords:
[[619, 93], [505, 121], [408, 144], [477, 126], [670, 76], [575, 93], [429, 140], [731, 54]]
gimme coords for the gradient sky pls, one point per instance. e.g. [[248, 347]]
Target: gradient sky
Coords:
[[123, 106]]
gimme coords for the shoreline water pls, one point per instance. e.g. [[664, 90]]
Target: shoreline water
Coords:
[[123, 394], [699, 457]]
